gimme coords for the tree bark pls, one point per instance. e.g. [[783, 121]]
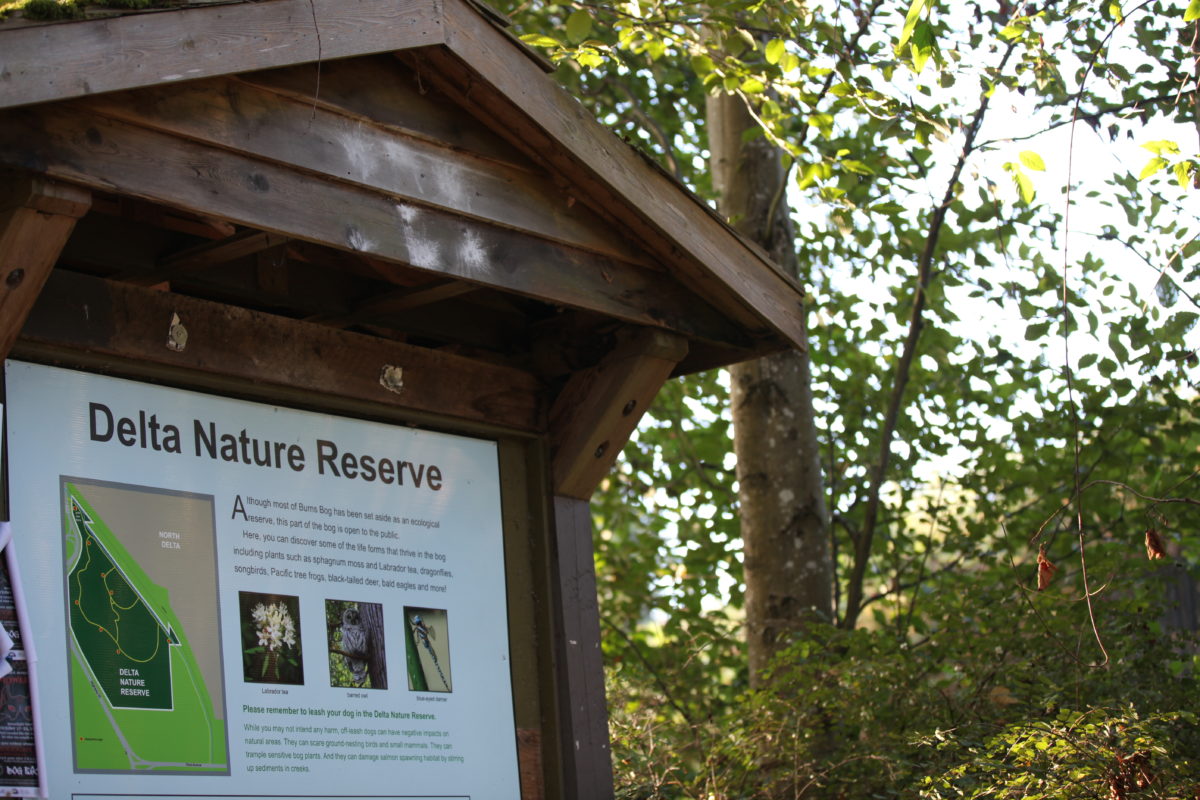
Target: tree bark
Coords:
[[371, 615], [784, 521]]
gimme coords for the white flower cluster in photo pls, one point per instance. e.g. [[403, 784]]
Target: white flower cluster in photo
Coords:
[[275, 626]]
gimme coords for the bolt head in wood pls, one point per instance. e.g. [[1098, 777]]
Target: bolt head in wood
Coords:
[[15, 278]]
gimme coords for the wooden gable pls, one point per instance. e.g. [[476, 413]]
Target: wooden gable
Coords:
[[443, 195], [389, 206]]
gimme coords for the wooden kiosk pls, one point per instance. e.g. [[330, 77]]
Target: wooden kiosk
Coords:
[[382, 211]]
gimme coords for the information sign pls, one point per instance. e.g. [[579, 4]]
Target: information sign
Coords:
[[232, 599]]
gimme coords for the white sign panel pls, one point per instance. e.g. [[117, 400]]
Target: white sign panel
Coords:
[[234, 599]]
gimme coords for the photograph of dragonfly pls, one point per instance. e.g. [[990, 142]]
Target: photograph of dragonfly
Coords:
[[427, 649]]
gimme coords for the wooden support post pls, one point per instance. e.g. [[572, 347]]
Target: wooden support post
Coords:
[[598, 409], [587, 760], [36, 218]]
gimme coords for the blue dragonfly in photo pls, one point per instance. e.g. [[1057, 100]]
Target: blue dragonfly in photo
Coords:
[[423, 633]]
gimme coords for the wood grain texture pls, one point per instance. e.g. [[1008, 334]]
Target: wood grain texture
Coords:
[[206, 255], [587, 767], [529, 762], [597, 410], [358, 150], [125, 52], [114, 156], [36, 219], [382, 89], [112, 319], [501, 85]]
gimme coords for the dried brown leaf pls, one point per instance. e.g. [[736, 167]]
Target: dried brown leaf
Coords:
[[1045, 569], [1154, 545]]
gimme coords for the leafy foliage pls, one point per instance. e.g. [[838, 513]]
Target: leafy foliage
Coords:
[[985, 702], [1003, 309], [53, 10]]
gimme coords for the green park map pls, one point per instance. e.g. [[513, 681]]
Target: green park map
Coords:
[[139, 695]]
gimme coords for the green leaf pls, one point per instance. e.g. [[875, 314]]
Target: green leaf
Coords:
[[1024, 186], [1160, 146], [589, 59], [910, 22], [540, 40], [753, 86], [775, 50], [579, 25], [923, 45], [1152, 166], [1193, 11], [702, 65], [1032, 161], [1036, 331], [1183, 173]]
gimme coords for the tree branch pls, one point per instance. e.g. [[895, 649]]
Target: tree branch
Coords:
[[1090, 117], [862, 550]]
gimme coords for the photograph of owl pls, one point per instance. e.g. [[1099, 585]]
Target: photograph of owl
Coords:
[[354, 644], [357, 659]]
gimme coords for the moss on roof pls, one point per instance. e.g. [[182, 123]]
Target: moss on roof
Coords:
[[53, 10]]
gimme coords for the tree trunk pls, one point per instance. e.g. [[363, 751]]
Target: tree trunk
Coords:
[[785, 526], [371, 615]]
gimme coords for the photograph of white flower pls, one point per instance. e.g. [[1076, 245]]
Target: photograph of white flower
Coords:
[[270, 638]]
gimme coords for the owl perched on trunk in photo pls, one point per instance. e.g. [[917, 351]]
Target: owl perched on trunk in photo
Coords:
[[354, 643]]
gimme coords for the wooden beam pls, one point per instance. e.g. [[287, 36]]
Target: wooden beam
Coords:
[[144, 213], [585, 748], [138, 50], [530, 763], [321, 138], [395, 302], [71, 143], [205, 255], [36, 218], [379, 88], [94, 316], [597, 410], [499, 84]]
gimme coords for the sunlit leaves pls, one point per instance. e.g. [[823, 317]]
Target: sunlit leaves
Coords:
[[579, 25], [1193, 11], [753, 85], [1031, 160], [703, 65], [1184, 172], [911, 19], [774, 50], [1021, 181], [922, 45], [917, 36], [986, 415], [541, 40]]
